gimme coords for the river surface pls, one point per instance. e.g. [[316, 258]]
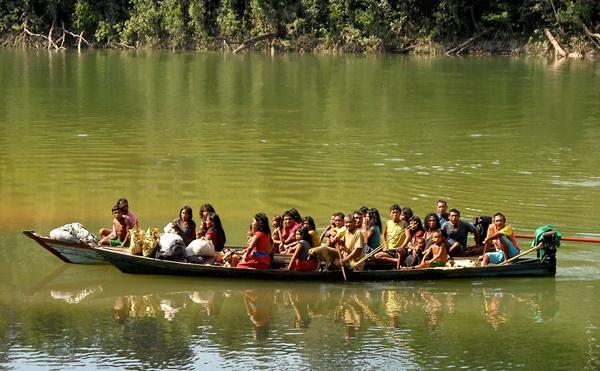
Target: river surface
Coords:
[[255, 132]]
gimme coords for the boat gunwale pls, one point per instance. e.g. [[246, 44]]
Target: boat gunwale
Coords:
[[135, 264]]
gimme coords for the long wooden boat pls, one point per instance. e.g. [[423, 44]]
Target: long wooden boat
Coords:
[[76, 253], [69, 252], [524, 267]]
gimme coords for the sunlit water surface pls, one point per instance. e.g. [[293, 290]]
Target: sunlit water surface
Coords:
[[266, 133]]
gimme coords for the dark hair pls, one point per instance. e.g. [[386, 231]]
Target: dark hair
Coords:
[[395, 207], [408, 213], [262, 223], [216, 219], [278, 218], [294, 214], [499, 214], [454, 211], [121, 201], [442, 201], [311, 223], [304, 234], [117, 207], [340, 214], [188, 209], [417, 221], [437, 221], [206, 207], [364, 210], [374, 218]]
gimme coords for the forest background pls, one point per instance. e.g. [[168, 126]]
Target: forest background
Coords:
[[408, 26]]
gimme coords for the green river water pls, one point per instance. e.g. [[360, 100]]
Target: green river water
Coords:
[[256, 132]]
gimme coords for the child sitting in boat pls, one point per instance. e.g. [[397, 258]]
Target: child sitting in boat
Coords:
[[277, 234], [301, 260], [436, 255], [120, 232]]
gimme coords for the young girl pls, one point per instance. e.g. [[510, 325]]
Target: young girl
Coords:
[[215, 231], [309, 223], [185, 225], [205, 210], [277, 234], [301, 261]]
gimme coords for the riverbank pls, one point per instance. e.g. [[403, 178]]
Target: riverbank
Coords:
[[535, 27], [575, 49]]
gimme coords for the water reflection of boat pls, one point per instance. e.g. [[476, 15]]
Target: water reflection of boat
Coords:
[[141, 265]]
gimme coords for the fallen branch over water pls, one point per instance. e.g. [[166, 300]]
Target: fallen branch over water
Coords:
[[594, 37], [248, 43], [464, 45], [557, 48]]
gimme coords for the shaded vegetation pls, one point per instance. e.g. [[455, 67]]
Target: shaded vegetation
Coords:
[[304, 25]]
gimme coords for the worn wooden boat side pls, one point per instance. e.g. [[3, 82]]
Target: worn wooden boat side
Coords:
[[141, 265], [69, 252]]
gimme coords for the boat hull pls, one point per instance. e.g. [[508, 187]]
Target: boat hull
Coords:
[[141, 265], [76, 253]]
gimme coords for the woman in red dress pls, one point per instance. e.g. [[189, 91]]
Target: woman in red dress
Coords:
[[258, 253]]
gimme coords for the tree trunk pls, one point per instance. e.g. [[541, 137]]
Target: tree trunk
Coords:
[[247, 43], [557, 48], [462, 46]]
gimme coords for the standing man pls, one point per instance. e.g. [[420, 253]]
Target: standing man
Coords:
[[456, 231], [442, 214]]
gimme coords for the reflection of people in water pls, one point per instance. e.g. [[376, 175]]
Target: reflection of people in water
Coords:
[[259, 307], [211, 301], [302, 310], [493, 313], [121, 309]]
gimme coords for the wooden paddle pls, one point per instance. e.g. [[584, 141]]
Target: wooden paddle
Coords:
[[382, 245], [539, 246], [572, 239]]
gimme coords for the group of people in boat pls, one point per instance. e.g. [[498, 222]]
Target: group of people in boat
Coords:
[[350, 240]]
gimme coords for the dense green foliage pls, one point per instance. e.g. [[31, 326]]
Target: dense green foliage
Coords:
[[354, 25]]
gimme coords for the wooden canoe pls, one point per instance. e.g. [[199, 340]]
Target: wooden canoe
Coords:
[[141, 265], [77, 253], [69, 252]]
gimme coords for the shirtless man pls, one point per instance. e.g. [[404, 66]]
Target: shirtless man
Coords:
[[456, 231]]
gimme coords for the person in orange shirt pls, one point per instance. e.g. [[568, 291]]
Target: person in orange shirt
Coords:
[[500, 236]]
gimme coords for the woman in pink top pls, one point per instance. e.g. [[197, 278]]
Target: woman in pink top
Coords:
[[258, 253]]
